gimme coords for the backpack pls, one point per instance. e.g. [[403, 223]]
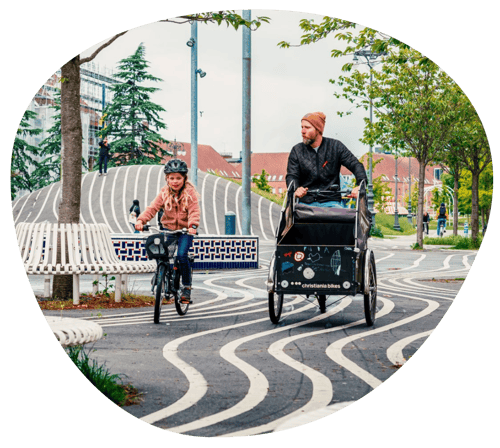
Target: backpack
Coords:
[[442, 210]]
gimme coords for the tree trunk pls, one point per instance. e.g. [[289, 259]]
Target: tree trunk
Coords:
[[71, 157], [455, 203], [420, 209], [474, 220]]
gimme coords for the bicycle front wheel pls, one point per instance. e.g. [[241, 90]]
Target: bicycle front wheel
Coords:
[[181, 308], [161, 287]]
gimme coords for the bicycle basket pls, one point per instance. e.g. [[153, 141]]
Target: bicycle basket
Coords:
[[155, 246]]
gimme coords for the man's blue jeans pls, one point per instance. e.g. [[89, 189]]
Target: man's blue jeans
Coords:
[[183, 246], [333, 204]]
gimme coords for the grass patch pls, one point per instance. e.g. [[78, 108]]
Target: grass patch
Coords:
[[385, 223], [111, 385], [457, 241], [98, 301]]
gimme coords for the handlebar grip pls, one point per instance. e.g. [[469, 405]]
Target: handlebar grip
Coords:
[[145, 227]]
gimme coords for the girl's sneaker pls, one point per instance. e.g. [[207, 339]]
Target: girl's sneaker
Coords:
[[186, 294]]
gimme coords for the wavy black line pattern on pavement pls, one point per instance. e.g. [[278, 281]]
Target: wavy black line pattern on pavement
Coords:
[[225, 370]]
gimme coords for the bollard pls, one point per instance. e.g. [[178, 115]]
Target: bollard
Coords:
[[230, 223]]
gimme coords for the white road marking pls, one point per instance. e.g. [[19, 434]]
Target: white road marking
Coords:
[[237, 210], [334, 351], [395, 351], [214, 205], [260, 218], [44, 202]]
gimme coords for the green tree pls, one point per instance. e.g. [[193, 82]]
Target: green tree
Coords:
[[132, 119], [71, 125], [353, 38], [260, 181], [470, 146], [414, 109], [485, 193], [51, 146], [24, 163]]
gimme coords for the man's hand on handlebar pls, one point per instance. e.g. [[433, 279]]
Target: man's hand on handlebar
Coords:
[[300, 192], [192, 231], [139, 225], [354, 193]]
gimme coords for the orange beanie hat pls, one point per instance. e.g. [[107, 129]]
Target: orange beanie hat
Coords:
[[317, 119]]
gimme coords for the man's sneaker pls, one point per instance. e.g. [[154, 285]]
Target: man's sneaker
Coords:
[[186, 294]]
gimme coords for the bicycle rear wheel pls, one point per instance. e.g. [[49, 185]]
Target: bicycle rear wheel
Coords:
[[161, 288]]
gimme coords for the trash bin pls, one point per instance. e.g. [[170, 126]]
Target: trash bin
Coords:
[[230, 223]]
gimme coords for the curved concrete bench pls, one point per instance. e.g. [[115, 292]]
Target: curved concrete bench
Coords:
[[69, 331], [85, 249]]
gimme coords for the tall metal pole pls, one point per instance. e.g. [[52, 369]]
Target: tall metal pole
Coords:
[[410, 216], [370, 168], [246, 126], [396, 213], [194, 105]]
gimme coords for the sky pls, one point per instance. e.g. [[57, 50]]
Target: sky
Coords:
[[286, 83]]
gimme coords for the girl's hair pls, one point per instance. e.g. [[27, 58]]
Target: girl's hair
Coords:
[[169, 195]]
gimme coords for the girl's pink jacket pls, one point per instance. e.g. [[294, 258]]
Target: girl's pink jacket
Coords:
[[179, 212]]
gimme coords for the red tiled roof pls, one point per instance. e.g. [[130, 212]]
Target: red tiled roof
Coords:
[[208, 160]]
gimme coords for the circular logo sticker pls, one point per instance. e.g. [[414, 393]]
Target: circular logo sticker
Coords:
[[346, 285], [284, 284], [299, 256], [308, 273]]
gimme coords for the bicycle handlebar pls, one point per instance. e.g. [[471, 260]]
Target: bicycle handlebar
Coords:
[[166, 231]]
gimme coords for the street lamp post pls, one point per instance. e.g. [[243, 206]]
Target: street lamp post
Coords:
[[370, 58], [396, 215], [246, 126], [410, 217], [195, 71], [174, 147]]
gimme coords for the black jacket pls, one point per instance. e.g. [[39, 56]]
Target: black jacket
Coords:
[[317, 170], [104, 150]]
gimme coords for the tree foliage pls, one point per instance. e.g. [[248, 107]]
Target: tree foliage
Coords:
[[24, 163], [132, 119], [260, 181]]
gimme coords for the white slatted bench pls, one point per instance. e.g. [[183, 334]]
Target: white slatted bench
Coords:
[[69, 331], [85, 249]]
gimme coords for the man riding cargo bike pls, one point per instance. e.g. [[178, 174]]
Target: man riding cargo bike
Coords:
[[321, 246]]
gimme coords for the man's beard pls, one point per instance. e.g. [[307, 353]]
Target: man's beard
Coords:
[[307, 141]]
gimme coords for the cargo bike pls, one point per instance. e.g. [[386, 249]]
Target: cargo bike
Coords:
[[322, 252]]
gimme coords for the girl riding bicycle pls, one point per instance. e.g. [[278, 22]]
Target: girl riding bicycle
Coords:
[[179, 200]]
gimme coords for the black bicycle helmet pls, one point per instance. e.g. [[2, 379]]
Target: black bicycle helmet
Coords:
[[176, 166]]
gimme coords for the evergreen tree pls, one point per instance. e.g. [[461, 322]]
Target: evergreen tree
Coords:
[[51, 147], [132, 119], [24, 164]]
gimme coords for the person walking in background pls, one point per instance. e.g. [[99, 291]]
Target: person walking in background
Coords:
[[441, 216], [425, 220], [103, 156], [134, 211]]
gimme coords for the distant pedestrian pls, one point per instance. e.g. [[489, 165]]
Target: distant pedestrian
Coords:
[[134, 211], [426, 222], [441, 216], [103, 156]]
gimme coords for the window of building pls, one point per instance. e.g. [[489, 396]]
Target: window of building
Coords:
[[280, 178], [274, 190], [437, 173], [274, 178]]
